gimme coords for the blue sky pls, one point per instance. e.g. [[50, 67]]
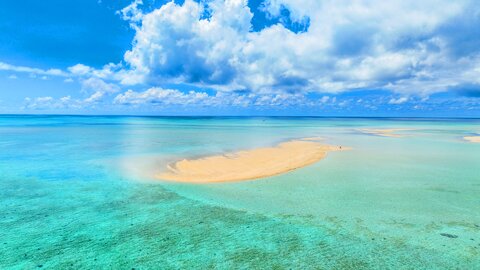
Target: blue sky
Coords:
[[239, 57]]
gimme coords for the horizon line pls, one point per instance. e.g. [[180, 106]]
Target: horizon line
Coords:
[[241, 116]]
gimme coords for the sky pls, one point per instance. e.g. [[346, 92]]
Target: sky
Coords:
[[401, 58]]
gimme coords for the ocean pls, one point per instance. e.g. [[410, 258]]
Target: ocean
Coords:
[[78, 192]]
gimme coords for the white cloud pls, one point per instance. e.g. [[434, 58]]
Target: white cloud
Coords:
[[325, 99], [132, 12], [399, 100], [32, 71], [95, 97], [172, 43], [394, 45], [80, 69], [160, 96], [50, 103], [167, 97], [99, 88], [414, 48], [98, 85], [109, 71], [13, 77], [112, 72], [66, 102]]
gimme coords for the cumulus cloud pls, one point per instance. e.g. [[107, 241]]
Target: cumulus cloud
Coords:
[[398, 45], [50, 103], [109, 71], [173, 42], [67, 102], [100, 89], [80, 69], [161, 96], [132, 12], [96, 90], [168, 97], [413, 48], [98, 85], [95, 97]]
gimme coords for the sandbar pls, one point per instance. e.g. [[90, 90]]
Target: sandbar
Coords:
[[248, 164], [473, 139], [384, 132]]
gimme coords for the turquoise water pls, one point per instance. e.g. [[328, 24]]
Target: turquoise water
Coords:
[[76, 193]]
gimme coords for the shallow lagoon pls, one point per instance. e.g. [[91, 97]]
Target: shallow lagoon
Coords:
[[76, 192]]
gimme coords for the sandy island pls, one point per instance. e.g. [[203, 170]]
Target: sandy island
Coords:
[[384, 132], [249, 164], [474, 139]]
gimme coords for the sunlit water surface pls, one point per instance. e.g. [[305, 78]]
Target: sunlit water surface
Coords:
[[78, 192]]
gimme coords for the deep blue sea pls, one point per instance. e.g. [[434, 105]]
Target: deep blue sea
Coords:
[[77, 192]]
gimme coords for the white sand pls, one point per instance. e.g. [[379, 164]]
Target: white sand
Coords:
[[249, 164]]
